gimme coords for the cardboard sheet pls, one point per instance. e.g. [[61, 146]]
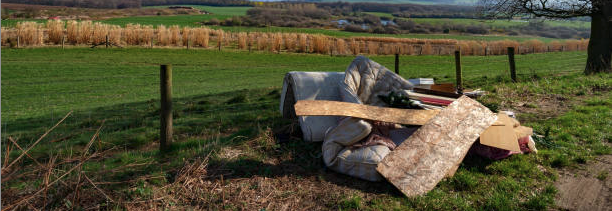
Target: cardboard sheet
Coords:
[[501, 136]]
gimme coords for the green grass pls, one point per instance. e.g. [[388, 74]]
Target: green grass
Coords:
[[492, 23], [229, 100], [232, 11], [125, 75], [501, 23], [220, 13]]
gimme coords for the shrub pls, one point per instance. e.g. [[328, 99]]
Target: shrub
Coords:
[[213, 21], [354, 28]]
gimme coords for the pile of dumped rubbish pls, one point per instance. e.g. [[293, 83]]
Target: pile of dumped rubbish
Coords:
[[376, 125]]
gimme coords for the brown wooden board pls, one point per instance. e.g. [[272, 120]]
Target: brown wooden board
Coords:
[[335, 108], [436, 149]]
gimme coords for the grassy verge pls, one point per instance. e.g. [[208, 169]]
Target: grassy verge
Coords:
[[227, 123]]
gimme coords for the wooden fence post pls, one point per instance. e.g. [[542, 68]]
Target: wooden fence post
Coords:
[[165, 83], [397, 64], [63, 40], [106, 41], [18, 40], [512, 64], [459, 74]]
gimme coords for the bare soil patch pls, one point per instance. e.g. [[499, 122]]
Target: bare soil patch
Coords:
[[588, 187]]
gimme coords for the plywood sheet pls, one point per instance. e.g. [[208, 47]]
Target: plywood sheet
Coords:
[[501, 136], [437, 148], [335, 108]]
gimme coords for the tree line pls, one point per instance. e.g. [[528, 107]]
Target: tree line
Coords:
[[120, 4]]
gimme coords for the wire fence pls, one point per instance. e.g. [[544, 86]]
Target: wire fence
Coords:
[[195, 108]]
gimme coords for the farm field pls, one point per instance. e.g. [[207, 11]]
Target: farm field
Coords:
[[227, 120], [494, 23], [222, 13], [233, 11]]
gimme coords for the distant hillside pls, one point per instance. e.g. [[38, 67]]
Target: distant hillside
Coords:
[[448, 2]]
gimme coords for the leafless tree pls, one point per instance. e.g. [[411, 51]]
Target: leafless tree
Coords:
[[600, 11]]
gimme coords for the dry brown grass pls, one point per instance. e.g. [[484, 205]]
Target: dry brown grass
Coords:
[[5, 34], [242, 40], [373, 47], [175, 35], [220, 36], [201, 36], [534, 46], [55, 31], [320, 44], [290, 41], [30, 33], [340, 46], [427, 49], [86, 32], [163, 36], [276, 42], [354, 46], [302, 43], [187, 35], [99, 33], [114, 34], [262, 41]]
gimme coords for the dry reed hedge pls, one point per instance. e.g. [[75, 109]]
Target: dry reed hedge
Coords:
[[55, 31], [86, 32], [340, 46], [99, 33], [354, 46], [187, 35], [242, 40], [201, 36], [30, 33]]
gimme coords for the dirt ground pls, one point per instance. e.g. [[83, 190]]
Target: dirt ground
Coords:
[[588, 187]]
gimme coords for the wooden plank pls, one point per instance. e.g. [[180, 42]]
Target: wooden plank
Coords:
[[502, 136], [335, 108], [393, 115], [437, 148]]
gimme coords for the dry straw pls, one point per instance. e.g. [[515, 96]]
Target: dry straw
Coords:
[[99, 33], [242, 40], [30, 33], [55, 31], [86, 32], [354, 46], [302, 43], [201, 36], [340, 46], [187, 34]]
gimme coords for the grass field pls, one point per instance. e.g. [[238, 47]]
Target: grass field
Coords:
[[226, 116], [232, 11], [493, 23], [222, 13]]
